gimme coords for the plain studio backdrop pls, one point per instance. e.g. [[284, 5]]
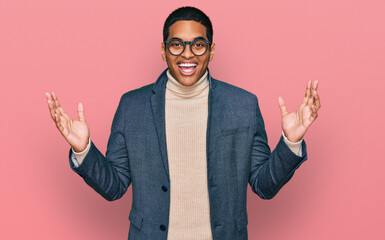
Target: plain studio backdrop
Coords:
[[94, 51]]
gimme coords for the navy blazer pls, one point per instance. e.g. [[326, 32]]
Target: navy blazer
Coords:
[[237, 154]]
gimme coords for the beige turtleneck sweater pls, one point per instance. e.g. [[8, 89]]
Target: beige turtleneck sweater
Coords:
[[186, 111]]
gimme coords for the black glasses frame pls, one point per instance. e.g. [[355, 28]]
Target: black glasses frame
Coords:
[[167, 42]]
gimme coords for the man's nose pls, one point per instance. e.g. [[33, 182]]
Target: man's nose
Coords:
[[187, 51]]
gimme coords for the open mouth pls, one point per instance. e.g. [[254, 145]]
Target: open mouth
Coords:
[[187, 68]]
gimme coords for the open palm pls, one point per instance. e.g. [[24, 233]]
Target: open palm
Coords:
[[295, 124], [75, 132]]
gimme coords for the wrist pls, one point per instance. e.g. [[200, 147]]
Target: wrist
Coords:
[[291, 140], [81, 149]]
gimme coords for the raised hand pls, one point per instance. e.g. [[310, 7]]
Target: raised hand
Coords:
[[295, 124], [75, 132]]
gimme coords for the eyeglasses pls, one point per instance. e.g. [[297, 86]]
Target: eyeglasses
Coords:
[[176, 46]]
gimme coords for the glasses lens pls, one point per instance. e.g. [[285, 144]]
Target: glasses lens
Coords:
[[175, 47], [199, 47]]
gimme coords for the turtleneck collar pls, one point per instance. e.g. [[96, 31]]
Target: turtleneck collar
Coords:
[[181, 91]]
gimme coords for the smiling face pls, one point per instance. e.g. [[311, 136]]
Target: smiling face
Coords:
[[187, 68]]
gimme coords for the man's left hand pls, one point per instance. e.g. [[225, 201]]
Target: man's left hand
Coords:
[[295, 124]]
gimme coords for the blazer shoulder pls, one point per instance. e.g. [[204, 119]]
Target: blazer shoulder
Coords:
[[138, 94], [230, 91]]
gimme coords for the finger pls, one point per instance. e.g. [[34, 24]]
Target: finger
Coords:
[[313, 116], [315, 85], [313, 108], [317, 101], [282, 106], [48, 95], [62, 125], [51, 109], [64, 114], [310, 99], [63, 122], [57, 121], [58, 113], [56, 100], [60, 108], [81, 115], [314, 113], [315, 94], [59, 125], [50, 105], [307, 92], [64, 119], [53, 95]]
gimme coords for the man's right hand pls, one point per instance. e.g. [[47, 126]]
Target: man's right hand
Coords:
[[75, 132]]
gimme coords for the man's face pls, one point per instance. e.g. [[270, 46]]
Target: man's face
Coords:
[[187, 31]]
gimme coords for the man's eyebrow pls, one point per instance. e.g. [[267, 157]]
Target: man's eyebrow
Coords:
[[200, 38], [197, 38]]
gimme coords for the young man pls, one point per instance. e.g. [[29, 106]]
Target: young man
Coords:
[[188, 143]]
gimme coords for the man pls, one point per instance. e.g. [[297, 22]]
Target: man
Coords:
[[188, 143]]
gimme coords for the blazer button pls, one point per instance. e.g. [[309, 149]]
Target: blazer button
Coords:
[[162, 227], [164, 188]]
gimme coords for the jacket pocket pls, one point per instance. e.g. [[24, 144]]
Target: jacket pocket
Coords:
[[226, 132], [242, 221], [135, 219]]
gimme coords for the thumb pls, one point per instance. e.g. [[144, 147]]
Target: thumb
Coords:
[[81, 116], [282, 106]]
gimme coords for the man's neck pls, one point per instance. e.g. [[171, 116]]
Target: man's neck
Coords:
[[175, 87]]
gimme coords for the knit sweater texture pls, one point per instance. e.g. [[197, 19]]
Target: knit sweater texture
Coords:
[[186, 112]]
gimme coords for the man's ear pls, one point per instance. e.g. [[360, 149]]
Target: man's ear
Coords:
[[163, 49], [212, 50]]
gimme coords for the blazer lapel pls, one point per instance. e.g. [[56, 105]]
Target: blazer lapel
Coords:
[[158, 112]]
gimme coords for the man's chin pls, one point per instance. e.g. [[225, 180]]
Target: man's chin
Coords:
[[186, 80]]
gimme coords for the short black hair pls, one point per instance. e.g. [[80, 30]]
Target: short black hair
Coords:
[[188, 13]]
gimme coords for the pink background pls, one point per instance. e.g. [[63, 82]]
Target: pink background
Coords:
[[94, 51]]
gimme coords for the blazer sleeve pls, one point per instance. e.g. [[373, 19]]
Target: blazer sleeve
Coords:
[[109, 175], [269, 171]]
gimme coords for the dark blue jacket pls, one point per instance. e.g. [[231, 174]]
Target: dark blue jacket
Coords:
[[237, 154]]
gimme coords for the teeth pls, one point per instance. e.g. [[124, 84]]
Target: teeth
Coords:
[[187, 64]]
